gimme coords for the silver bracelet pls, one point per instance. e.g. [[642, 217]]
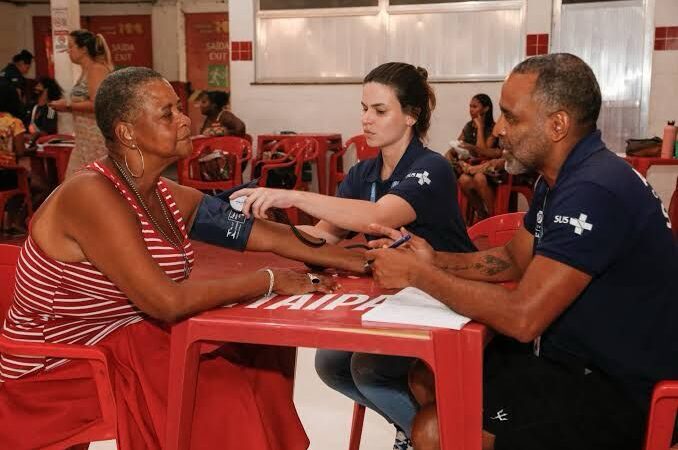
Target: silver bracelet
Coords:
[[271, 282]]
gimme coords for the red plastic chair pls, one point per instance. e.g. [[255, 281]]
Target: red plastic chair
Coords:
[[292, 145], [673, 212], [496, 230], [23, 188], [239, 147], [662, 418], [501, 200], [363, 152], [106, 427], [504, 191], [299, 151]]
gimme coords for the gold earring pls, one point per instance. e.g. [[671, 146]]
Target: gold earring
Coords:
[[143, 165]]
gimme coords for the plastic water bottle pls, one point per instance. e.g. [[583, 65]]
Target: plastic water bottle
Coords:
[[669, 139]]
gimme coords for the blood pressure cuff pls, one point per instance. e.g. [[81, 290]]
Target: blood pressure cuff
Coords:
[[216, 222]]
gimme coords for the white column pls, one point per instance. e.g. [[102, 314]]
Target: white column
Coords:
[[169, 54], [65, 18]]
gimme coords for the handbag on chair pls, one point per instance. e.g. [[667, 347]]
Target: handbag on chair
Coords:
[[216, 165], [650, 147]]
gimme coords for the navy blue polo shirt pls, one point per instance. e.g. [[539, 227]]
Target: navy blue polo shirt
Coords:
[[425, 180], [603, 218]]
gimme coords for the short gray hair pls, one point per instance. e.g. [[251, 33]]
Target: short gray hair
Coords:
[[564, 82], [119, 97]]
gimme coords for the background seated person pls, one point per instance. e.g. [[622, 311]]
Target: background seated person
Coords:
[[112, 241], [596, 267], [219, 120], [407, 184], [11, 148], [477, 138], [478, 182], [42, 118]]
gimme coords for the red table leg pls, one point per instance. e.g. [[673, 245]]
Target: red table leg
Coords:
[[183, 377], [457, 365]]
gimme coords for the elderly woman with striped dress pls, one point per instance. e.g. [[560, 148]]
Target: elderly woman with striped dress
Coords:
[[107, 263]]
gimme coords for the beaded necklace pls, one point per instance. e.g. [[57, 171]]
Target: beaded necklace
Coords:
[[177, 241]]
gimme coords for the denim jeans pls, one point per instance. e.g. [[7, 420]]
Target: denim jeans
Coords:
[[378, 382]]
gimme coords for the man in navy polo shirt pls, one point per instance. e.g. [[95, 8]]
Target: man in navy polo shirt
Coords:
[[596, 266]]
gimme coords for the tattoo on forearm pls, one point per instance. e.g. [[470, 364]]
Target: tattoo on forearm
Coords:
[[489, 265]]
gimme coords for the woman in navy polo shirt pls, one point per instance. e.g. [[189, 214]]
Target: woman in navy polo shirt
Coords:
[[407, 185]]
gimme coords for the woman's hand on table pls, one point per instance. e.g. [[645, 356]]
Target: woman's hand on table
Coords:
[[260, 200], [288, 282]]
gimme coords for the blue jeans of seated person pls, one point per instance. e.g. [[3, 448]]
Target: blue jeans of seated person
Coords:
[[378, 382]]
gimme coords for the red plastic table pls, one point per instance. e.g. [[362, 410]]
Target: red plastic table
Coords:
[[642, 163], [60, 153], [334, 322], [327, 142]]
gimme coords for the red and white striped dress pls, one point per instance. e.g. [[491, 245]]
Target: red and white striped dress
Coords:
[[244, 392], [74, 303]]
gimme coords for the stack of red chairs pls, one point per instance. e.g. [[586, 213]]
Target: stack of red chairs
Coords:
[[299, 150], [363, 152]]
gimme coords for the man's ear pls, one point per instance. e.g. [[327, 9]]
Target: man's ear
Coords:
[[124, 133], [559, 125]]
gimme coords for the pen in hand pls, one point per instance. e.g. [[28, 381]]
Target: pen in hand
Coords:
[[395, 244], [400, 241]]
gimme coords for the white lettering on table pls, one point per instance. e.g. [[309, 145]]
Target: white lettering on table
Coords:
[[356, 302], [372, 303], [316, 304], [294, 302], [346, 300]]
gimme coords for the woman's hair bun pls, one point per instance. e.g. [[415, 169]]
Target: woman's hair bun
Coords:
[[423, 73]]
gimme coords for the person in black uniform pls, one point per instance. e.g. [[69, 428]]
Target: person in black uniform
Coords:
[[14, 73]]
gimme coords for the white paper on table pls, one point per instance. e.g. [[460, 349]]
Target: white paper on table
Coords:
[[412, 306]]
